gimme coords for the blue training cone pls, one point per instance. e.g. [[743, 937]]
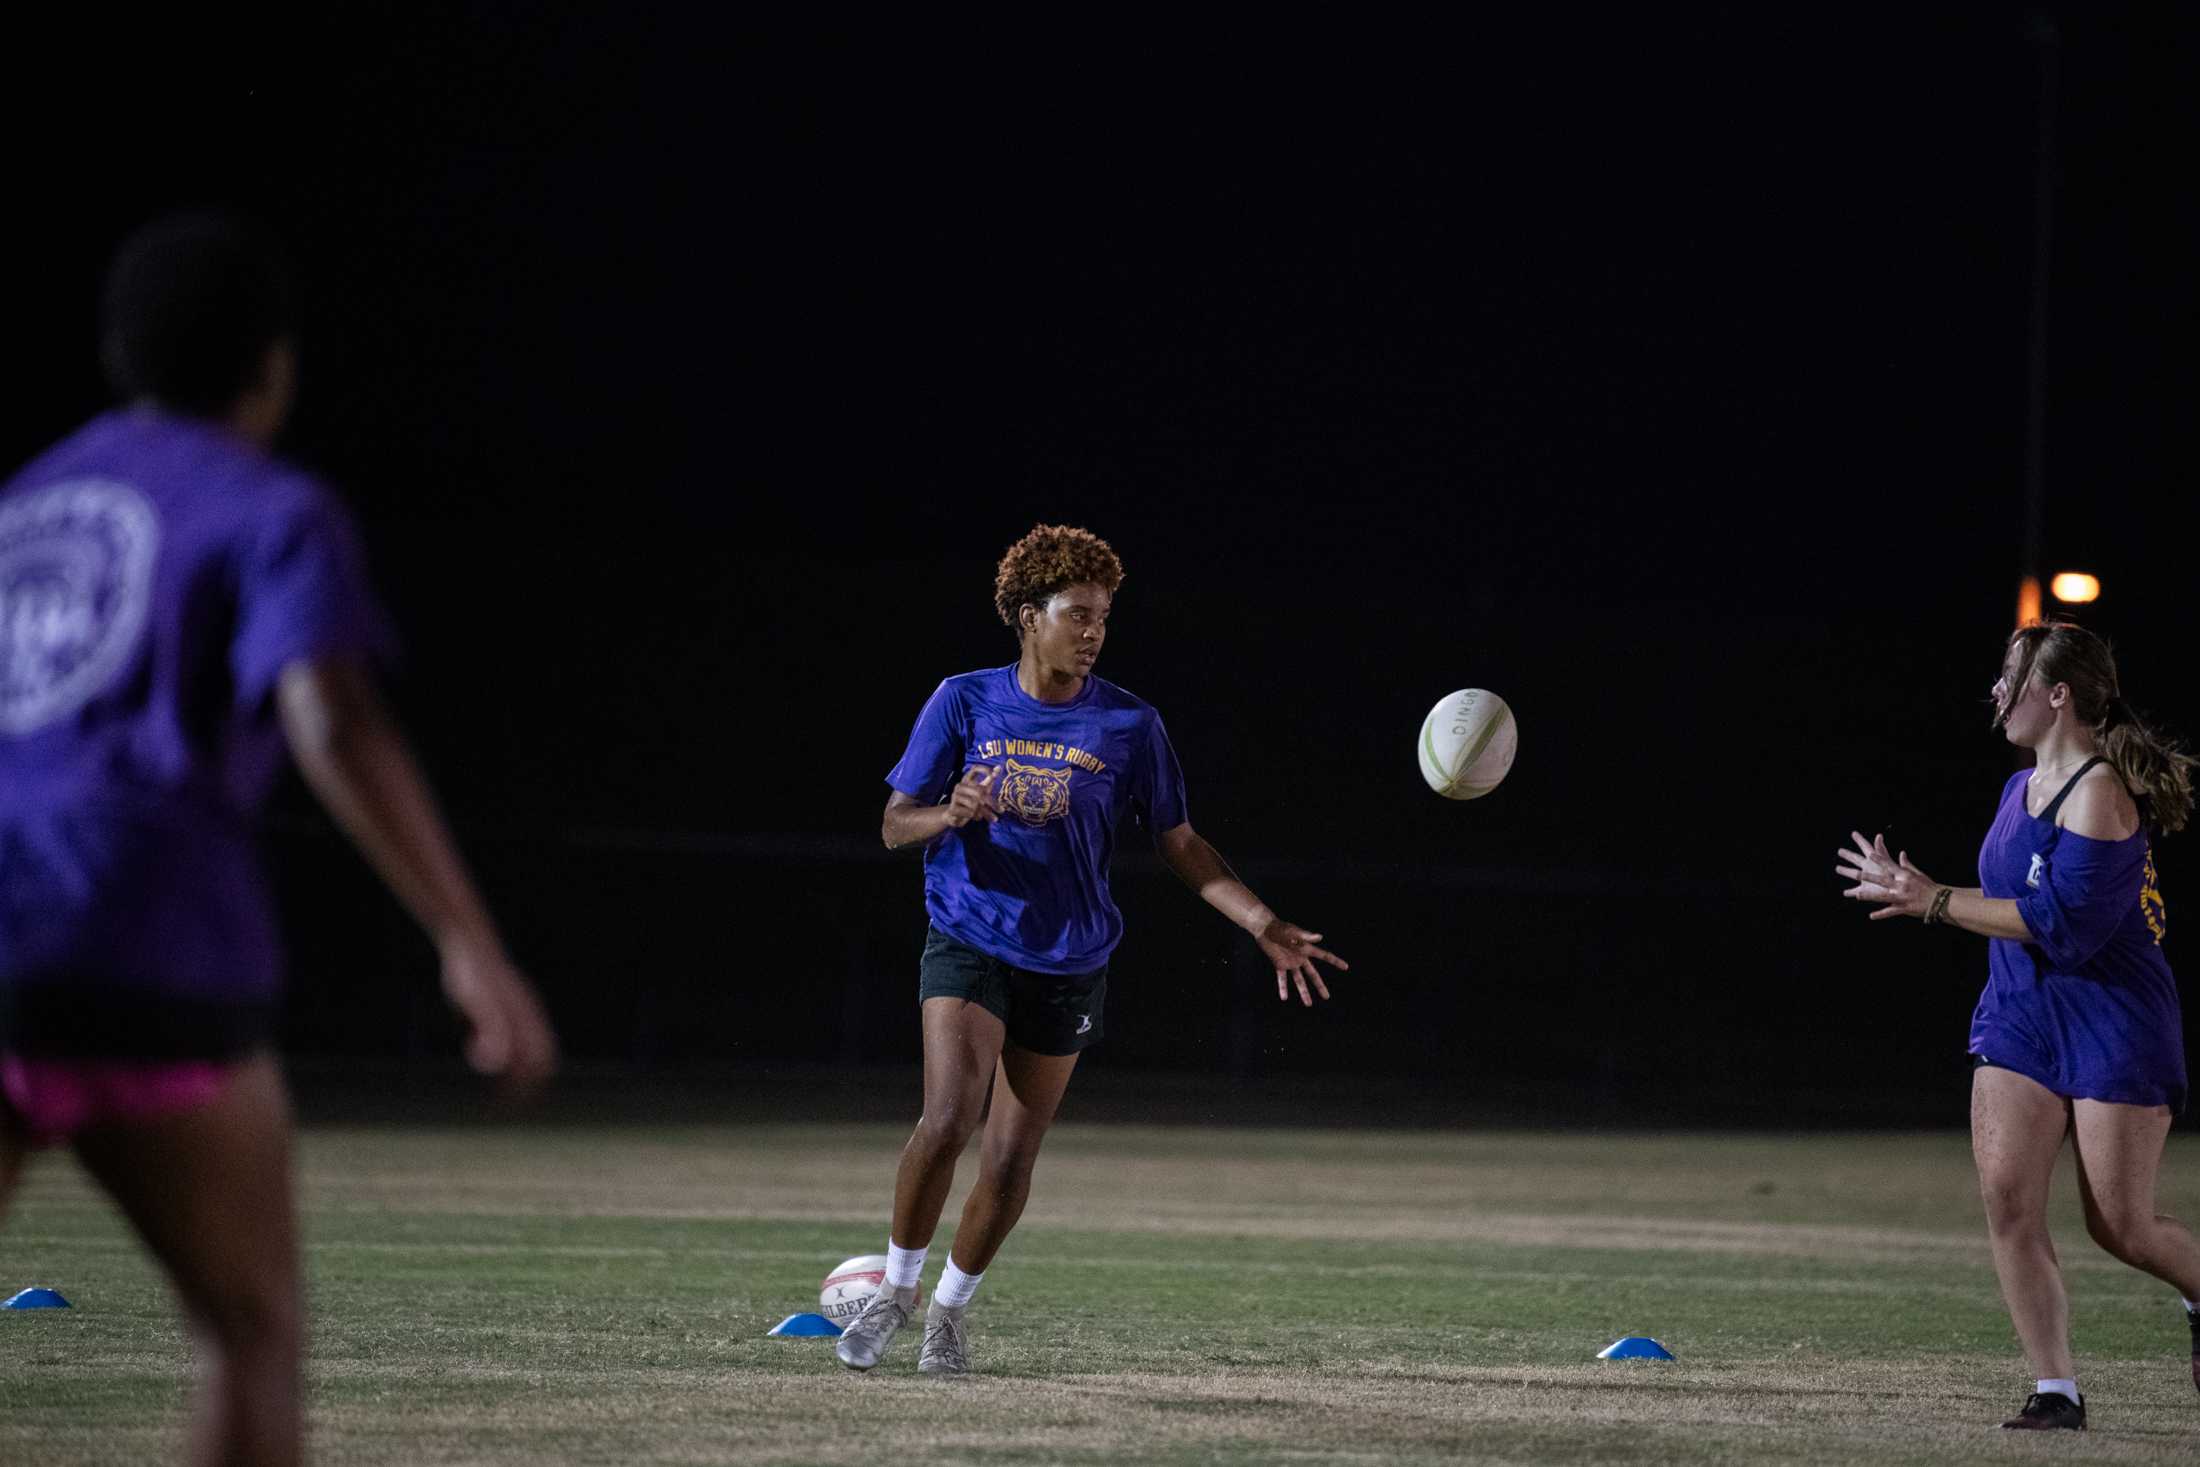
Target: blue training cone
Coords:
[[804, 1324], [37, 1299], [1635, 1347]]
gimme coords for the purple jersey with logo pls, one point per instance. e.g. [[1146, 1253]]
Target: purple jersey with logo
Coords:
[[1032, 888], [2088, 1007], [157, 574]]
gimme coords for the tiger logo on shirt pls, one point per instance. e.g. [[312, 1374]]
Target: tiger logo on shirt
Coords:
[[1032, 794], [2151, 905]]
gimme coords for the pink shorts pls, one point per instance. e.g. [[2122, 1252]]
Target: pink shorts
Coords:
[[55, 1099]]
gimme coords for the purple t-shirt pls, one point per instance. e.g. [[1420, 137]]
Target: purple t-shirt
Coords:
[[1032, 888], [2089, 1006], [157, 574]]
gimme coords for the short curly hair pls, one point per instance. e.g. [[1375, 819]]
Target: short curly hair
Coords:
[[1048, 559]]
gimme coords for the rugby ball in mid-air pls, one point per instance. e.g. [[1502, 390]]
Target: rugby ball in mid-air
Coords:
[[1467, 744], [849, 1287]]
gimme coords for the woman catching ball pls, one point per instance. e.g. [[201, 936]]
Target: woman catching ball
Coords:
[[2079, 1030]]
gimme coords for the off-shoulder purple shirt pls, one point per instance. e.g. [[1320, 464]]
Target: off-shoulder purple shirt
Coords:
[[2088, 1007]]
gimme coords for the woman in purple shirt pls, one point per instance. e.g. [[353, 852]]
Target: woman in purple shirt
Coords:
[[1014, 782], [180, 612], [2079, 1030]]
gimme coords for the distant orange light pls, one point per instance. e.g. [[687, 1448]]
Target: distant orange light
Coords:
[[2028, 601], [2075, 587]]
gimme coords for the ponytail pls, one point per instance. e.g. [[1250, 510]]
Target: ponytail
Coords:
[[2156, 771]]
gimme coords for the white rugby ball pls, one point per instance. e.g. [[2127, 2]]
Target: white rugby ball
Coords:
[[849, 1287], [1467, 744]]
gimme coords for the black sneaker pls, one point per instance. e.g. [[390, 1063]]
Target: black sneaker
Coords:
[[2192, 1317], [2048, 1411]]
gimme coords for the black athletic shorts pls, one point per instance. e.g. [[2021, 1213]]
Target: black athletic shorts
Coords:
[[81, 1016], [1046, 1013]]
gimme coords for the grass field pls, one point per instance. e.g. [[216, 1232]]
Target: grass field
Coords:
[[599, 1295]]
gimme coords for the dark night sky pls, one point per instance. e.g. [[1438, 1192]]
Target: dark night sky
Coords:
[[1668, 379]]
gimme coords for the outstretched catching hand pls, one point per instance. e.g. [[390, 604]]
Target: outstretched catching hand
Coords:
[[1292, 950], [1899, 888]]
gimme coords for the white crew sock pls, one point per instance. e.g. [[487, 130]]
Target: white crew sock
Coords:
[[955, 1286], [2060, 1388], [2192, 1306], [903, 1265]]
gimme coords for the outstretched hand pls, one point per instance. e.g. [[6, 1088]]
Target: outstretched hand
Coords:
[[507, 1033], [1897, 887], [1291, 949]]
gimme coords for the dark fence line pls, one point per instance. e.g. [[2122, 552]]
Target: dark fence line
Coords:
[[1449, 876], [1736, 999]]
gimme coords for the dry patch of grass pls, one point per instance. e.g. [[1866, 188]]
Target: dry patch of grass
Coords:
[[1881, 1414]]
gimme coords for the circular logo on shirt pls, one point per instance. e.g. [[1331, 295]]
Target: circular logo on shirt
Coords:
[[76, 581]]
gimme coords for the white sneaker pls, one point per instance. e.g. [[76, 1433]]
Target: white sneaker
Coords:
[[946, 1342], [869, 1333]]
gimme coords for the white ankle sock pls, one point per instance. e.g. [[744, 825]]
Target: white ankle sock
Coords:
[[2192, 1306], [903, 1265], [955, 1287], [2059, 1388]]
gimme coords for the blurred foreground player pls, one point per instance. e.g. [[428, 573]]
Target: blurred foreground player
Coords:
[[1014, 782], [176, 606], [2078, 1032]]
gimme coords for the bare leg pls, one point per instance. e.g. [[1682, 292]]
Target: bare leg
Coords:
[[209, 1190], [961, 1044], [1025, 1098], [2119, 1151], [2017, 1127]]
